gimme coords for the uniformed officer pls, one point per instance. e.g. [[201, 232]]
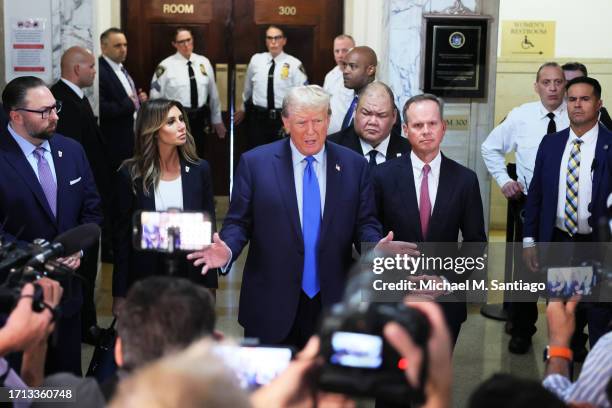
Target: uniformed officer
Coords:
[[189, 78], [269, 77]]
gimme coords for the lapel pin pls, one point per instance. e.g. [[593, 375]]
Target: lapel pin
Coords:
[[337, 167], [398, 155], [605, 147], [186, 169], [59, 153]]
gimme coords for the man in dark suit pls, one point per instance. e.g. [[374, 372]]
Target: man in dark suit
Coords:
[[372, 133], [427, 186], [119, 97], [301, 203], [77, 121], [569, 192], [47, 188]]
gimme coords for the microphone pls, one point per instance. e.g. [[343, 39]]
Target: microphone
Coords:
[[67, 243]]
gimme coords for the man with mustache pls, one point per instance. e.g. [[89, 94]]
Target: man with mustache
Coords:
[[373, 134], [47, 188]]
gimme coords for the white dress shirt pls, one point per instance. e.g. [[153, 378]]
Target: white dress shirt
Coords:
[[433, 178], [340, 98], [74, 88], [288, 72], [381, 150], [521, 131], [585, 179], [171, 81], [28, 151], [299, 165], [169, 194], [121, 75]]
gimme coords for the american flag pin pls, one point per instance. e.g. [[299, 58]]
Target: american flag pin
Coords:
[[337, 167], [186, 169], [59, 153]]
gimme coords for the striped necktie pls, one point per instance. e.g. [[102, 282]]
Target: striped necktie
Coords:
[[571, 193]]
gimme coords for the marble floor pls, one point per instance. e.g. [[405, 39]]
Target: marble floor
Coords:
[[480, 351]]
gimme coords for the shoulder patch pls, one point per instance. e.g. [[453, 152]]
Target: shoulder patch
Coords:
[[203, 69], [159, 71], [285, 71]]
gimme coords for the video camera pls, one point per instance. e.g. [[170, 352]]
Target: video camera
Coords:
[[26, 264], [358, 359]]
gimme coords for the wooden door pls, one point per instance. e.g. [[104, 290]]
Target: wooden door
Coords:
[[229, 32]]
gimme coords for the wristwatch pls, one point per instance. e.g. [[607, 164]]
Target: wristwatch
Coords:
[[556, 351]]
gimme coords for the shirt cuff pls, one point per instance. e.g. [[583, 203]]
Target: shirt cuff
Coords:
[[225, 269], [503, 179], [528, 242]]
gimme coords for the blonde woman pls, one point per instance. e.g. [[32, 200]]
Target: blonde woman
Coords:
[[165, 172]]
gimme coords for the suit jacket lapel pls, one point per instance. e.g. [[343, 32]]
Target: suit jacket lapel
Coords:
[[333, 174], [117, 83], [444, 193], [557, 155], [407, 194], [189, 181], [14, 155], [283, 167], [601, 150]]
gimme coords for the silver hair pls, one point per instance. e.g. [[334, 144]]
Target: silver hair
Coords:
[[306, 97]]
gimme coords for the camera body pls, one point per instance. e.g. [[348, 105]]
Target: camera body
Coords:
[[358, 359]]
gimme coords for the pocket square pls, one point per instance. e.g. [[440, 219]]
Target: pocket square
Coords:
[[73, 182]]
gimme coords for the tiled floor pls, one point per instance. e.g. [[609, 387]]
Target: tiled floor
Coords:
[[481, 349]]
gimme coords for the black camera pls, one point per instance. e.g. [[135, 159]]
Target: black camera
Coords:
[[357, 358]]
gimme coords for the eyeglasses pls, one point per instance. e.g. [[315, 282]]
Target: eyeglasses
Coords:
[[44, 113], [275, 38], [184, 42]]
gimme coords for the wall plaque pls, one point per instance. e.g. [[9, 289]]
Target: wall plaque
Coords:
[[455, 56]]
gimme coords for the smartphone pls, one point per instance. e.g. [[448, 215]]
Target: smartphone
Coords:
[[570, 281], [255, 365], [357, 350], [169, 231]]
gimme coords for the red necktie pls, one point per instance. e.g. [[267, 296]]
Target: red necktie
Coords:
[[425, 207]]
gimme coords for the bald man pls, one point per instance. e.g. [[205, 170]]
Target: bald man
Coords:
[[360, 70], [341, 96], [77, 121]]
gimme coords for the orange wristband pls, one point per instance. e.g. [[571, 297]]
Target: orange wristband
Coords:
[[562, 352]]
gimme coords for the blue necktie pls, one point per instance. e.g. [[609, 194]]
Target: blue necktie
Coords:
[[311, 224], [349, 114]]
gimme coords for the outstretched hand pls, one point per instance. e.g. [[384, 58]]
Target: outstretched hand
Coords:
[[215, 255]]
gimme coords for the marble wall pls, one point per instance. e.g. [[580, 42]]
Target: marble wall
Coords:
[[401, 69]]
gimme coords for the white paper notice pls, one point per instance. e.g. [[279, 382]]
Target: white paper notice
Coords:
[[28, 46]]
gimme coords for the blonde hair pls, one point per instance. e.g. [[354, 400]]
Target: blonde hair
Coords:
[[145, 164], [195, 377]]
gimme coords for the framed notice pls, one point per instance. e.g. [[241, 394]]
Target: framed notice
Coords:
[[455, 56]]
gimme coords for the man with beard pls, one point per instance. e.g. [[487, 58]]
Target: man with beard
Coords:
[[47, 188]]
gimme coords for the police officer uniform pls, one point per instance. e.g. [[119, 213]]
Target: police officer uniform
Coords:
[[171, 80], [264, 73]]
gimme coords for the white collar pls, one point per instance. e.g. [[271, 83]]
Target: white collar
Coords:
[[434, 164], [558, 112], [116, 66], [589, 137], [297, 157], [382, 146], [74, 88]]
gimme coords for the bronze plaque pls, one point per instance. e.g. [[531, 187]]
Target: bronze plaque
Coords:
[[181, 11], [287, 12]]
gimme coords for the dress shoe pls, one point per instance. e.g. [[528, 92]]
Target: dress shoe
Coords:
[[519, 344]]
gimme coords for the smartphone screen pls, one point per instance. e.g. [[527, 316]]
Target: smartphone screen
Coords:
[[570, 281], [255, 366], [176, 231], [357, 350]]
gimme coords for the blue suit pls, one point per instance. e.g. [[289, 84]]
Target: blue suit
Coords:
[[131, 265], [25, 215], [264, 212], [541, 205]]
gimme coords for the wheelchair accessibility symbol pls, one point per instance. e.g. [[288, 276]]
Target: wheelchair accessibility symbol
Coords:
[[526, 44]]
